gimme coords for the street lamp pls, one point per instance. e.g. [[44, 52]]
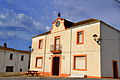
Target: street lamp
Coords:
[[95, 37]]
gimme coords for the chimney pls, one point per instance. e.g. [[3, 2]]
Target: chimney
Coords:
[[59, 15], [5, 45]]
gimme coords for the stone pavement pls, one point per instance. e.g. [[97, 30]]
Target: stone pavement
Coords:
[[49, 78]]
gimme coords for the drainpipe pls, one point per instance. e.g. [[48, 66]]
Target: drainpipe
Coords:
[[70, 48], [44, 54]]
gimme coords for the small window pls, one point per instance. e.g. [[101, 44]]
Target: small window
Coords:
[[22, 57], [80, 62], [11, 56], [39, 61], [40, 44], [80, 37], [9, 68], [20, 69]]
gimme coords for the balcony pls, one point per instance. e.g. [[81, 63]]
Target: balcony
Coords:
[[56, 48]]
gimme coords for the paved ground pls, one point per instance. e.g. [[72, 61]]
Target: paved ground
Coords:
[[48, 78], [29, 77], [19, 76]]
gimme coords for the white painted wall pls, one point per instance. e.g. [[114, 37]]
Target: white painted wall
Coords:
[[16, 62], [90, 48], [110, 50], [99, 57]]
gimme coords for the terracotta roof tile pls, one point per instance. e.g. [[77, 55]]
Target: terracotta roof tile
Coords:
[[42, 34], [14, 50], [69, 24]]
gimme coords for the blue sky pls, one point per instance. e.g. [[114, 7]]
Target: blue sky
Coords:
[[20, 20]]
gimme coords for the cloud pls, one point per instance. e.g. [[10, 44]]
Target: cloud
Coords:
[[24, 35], [9, 18], [10, 1], [4, 35], [11, 33], [15, 35], [71, 9], [16, 24], [47, 28], [2, 16], [77, 10]]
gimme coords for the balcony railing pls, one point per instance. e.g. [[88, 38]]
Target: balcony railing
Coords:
[[56, 48]]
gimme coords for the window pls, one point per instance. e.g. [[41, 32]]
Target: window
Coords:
[[9, 68], [20, 69], [80, 62], [40, 44], [80, 37], [57, 43], [22, 57], [39, 61], [11, 56], [57, 40]]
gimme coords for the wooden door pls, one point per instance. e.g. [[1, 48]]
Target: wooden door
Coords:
[[115, 69], [55, 66]]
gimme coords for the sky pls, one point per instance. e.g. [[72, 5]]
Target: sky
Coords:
[[20, 20]]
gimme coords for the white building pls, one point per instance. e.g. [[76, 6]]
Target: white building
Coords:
[[12, 60], [88, 48]]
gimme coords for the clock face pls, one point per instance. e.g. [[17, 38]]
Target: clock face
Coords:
[[57, 23]]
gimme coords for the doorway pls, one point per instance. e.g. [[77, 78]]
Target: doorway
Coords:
[[115, 69], [55, 66]]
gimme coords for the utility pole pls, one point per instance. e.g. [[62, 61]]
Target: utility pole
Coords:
[[30, 49]]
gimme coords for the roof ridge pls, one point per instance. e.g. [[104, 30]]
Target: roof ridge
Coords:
[[72, 24], [15, 50]]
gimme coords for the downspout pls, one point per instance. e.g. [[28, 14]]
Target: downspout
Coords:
[[44, 55], [70, 48]]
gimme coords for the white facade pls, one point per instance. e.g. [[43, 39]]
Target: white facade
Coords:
[[101, 55], [110, 50], [15, 62]]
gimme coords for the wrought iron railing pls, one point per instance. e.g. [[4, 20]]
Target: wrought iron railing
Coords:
[[56, 48]]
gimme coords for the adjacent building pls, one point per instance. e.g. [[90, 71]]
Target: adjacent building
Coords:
[[89, 48], [12, 60]]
